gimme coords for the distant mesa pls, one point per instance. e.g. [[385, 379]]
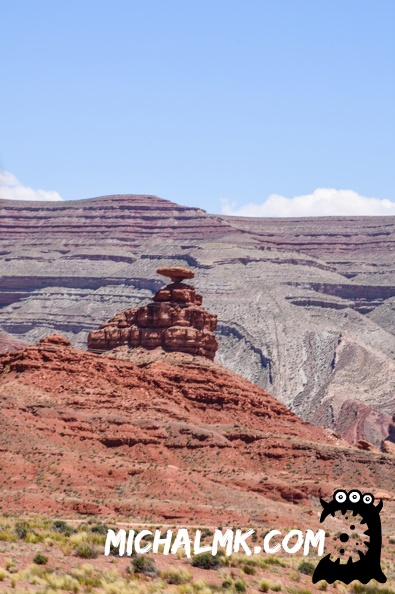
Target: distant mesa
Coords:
[[175, 321]]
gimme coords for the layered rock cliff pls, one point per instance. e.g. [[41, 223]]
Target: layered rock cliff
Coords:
[[306, 307]]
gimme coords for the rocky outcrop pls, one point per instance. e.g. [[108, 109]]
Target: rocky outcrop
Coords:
[[388, 444], [391, 430], [175, 321]]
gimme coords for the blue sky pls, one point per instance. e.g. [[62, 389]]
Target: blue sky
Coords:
[[217, 104]]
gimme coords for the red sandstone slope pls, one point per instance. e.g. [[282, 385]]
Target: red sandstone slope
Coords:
[[174, 437]]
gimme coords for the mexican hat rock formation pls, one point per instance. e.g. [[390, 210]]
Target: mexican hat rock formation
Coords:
[[174, 321]]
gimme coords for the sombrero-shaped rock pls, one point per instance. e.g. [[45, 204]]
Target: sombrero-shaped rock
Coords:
[[176, 273]]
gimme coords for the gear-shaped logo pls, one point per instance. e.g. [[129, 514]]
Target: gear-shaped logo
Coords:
[[354, 553]]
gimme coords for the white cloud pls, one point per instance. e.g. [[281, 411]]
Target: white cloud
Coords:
[[322, 202], [12, 189]]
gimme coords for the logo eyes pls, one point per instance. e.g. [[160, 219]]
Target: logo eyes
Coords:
[[367, 498], [340, 496], [354, 496]]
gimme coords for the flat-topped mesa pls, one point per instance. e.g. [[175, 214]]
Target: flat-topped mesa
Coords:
[[175, 321]]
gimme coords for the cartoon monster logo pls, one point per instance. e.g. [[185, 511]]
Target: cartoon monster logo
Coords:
[[364, 565]]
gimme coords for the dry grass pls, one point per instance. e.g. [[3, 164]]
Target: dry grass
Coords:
[[67, 571]]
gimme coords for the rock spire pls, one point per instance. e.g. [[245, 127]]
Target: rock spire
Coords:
[[174, 321]]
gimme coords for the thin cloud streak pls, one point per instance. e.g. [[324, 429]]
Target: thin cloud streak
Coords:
[[322, 202], [12, 189]]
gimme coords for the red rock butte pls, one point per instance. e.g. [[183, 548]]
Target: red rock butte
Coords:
[[175, 321]]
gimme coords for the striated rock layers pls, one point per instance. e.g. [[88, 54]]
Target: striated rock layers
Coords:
[[306, 306], [175, 321]]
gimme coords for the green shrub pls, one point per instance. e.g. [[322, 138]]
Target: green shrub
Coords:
[[227, 583], [240, 586], [99, 529], [21, 529], [40, 559], [206, 561], [144, 565], [86, 551], [306, 567], [62, 527], [249, 569], [264, 586]]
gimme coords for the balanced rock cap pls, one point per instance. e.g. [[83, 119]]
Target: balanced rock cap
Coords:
[[174, 321], [176, 273]]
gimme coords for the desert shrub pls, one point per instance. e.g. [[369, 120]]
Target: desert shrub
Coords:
[[144, 565], [6, 534], [206, 561], [62, 527], [273, 560], [87, 575], [40, 559], [240, 586], [362, 589], [171, 575], [63, 582], [264, 586], [306, 567], [249, 569], [20, 529], [100, 529], [3, 574], [33, 537], [226, 584], [86, 551], [295, 576], [322, 585]]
